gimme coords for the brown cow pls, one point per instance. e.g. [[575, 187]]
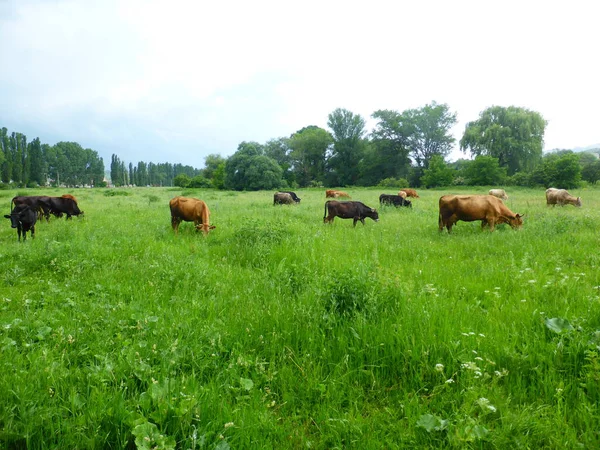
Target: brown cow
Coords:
[[348, 210], [190, 210], [487, 208], [69, 196], [402, 194], [561, 197], [409, 193], [332, 193], [282, 198], [500, 193]]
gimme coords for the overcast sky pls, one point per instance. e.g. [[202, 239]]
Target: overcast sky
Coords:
[[177, 80]]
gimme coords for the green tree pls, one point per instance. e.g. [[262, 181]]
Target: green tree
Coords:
[[438, 173], [218, 179], [309, 150], [37, 164], [559, 170], [348, 130], [249, 168], [429, 132], [513, 135], [591, 172], [211, 163], [182, 180], [484, 171], [279, 149], [388, 156]]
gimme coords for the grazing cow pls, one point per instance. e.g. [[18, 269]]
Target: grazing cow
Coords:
[[190, 210], [498, 193], [282, 198], [561, 197], [35, 202], [23, 218], [332, 193], [410, 192], [62, 205], [394, 200], [487, 208], [402, 194], [348, 210], [293, 194]]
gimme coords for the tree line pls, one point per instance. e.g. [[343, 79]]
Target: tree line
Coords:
[[407, 148]]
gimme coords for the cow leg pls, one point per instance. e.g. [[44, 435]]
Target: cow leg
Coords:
[[32, 231], [175, 221]]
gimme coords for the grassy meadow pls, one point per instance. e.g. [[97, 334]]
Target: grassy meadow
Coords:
[[277, 331]]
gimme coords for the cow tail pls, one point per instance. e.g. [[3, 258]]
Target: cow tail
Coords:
[[325, 213]]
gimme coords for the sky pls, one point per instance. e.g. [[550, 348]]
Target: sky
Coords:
[[176, 80]]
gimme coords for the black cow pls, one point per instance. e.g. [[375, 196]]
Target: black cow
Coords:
[[293, 194], [348, 210], [394, 200], [62, 205], [35, 202], [23, 218]]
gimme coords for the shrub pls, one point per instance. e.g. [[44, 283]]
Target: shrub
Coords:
[[394, 183], [199, 182], [113, 193]]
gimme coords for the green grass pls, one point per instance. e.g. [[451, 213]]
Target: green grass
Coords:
[[277, 331]]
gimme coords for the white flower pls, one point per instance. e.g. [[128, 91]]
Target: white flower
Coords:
[[449, 381], [485, 404], [439, 367], [228, 425]]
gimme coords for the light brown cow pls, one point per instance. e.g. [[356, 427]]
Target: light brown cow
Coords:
[[487, 208], [500, 193], [409, 192], [402, 194], [282, 198], [190, 210], [561, 197], [332, 193]]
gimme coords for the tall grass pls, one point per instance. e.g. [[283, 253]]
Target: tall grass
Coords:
[[277, 331]]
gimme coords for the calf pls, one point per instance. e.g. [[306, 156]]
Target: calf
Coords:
[[23, 218]]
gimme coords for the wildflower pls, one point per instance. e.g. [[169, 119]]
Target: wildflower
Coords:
[[481, 335], [532, 281], [439, 367], [449, 381], [485, 404], [228, 425]]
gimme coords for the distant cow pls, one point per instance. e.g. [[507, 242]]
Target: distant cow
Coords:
[[282, 198], [23, 218], [410, 192], [394, 200], [561, 197], [332, 193], [402, 194], [62, 205], [190, 210], [348, 210], [498, 193], [487, 208], [293, 194]]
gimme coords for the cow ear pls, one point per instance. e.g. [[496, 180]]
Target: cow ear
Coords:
[[520, 215]]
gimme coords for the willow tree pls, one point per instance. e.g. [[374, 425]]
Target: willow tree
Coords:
[[513, 135]]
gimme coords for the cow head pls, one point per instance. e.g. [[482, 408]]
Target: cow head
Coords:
[[205, 228], [516, 221], [14, 220], [578, 203], [374, 215]]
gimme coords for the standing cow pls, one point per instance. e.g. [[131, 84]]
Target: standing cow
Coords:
[[409, 193], [190, 210], [487, 208], [348, 210], [561, 197], [23, 218]]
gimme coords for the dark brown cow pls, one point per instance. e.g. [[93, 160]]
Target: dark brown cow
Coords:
[[348, 210], [190, 210], [332, 193], [23, 218], [37, 203], [394, 200], [69, 196], [410, 193], [487, 208], [62, 205]]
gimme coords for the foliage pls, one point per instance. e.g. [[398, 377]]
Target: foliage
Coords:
[[199, 181], [388, 156], [485, 171], [309, 149], [560, 170], [590, 171], [394, 183], [182, 180], [348, 130], [438, 173], [513, 135], [250, 169]]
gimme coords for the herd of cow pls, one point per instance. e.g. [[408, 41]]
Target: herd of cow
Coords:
[[489, 209]]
